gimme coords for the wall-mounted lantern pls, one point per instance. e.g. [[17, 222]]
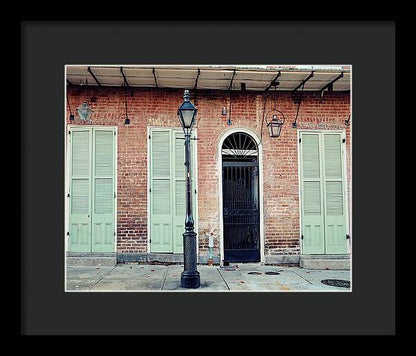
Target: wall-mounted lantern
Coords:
[[276, 123], [347, 121], [277, 119], [84, 112]]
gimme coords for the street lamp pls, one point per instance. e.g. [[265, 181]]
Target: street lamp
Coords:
[[190, 275]]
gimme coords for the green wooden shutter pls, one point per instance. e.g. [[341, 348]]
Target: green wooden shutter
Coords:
[[179, 188], [312, 197], [322, 189], [161, 191], [103, 188], [80, 191], [179, 179], [167, 197], [335, 217]]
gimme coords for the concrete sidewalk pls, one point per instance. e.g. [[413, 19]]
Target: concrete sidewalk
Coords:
[[234, 278]]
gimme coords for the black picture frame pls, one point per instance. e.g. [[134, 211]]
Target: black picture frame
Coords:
[[369, 46]]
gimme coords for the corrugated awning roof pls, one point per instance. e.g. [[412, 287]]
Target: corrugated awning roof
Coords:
[[213, 77]]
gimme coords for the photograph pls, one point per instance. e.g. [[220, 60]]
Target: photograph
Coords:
[[208, 178]]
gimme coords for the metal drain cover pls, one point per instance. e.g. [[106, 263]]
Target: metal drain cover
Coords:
[[271, 273], [254, 272], [336, 283]]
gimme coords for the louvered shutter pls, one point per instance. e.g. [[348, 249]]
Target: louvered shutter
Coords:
[[167, 197], [335, 217], [180, 191], [161, 209], [312, 196], [103, 188], [80, 191]]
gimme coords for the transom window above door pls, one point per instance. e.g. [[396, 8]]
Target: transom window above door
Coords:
[[241, 146]]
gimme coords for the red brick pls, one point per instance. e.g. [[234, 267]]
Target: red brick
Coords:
[[149, 107]]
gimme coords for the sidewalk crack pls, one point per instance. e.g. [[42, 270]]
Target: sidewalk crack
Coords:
[[164, 279], [223, 279], [102, 277], [302, 277]]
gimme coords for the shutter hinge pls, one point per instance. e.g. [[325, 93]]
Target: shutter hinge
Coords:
[[343, 140], [301, 237], [67, 233], [68, 195], [300, 140], [348, 236], [149, 137], [195, 191], [115, 133], [114, 194], [114, 233], [150, 240], [69, 132]]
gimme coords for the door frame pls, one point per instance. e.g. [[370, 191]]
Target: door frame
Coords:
[[68, 169], [345, 189], [195, 171], [220, 197]]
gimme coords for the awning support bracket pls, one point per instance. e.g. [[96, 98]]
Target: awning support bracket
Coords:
[[154, 76], [93, 75], [126, 83], [298, 99], [274, 81], [330, 85], [302, 84], [196, 80], [231, 83]]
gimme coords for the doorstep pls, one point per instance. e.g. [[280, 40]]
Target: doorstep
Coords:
[[163, 258], [325, 262], [91, 259]]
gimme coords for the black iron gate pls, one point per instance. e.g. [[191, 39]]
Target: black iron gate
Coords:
[[241, 214]]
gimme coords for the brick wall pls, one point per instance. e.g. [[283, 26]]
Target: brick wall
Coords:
[[152, 107]]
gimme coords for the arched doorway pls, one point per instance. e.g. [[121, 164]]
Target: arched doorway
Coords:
[[240, 198]]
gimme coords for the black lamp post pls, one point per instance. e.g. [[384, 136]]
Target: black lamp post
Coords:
[[190, 275]]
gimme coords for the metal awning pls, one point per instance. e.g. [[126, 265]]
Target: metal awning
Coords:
[[214, 77]]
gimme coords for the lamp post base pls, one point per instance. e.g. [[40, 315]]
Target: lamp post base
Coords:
[[190, 279]]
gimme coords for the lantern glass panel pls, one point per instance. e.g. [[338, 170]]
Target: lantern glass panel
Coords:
[[275, 128], [187, 117]]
